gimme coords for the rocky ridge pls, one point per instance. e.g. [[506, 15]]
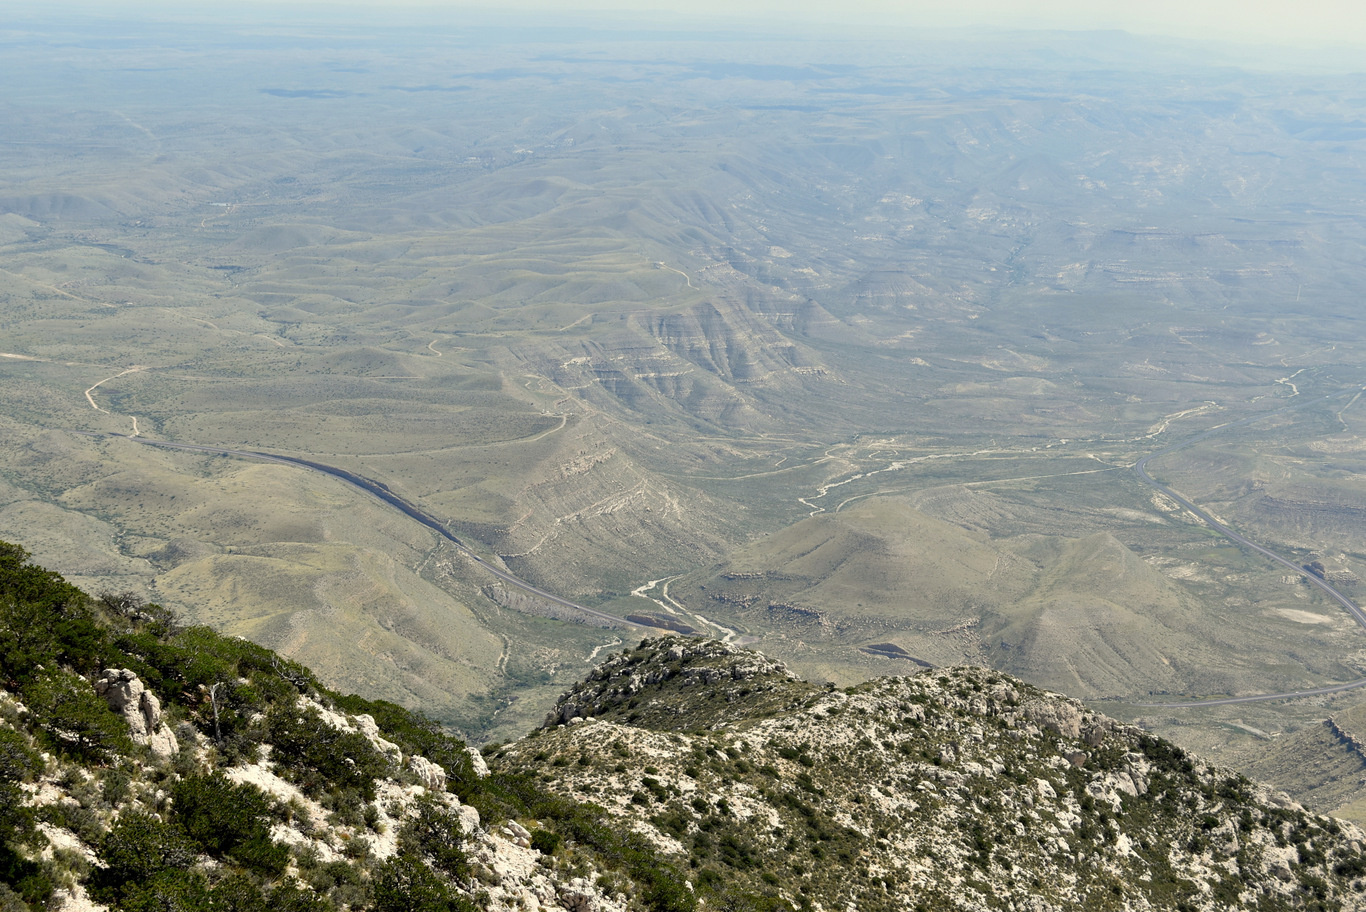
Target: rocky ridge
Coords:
[[145, 765], [149, 766], [734, 683], [505, 871], [958, 789]]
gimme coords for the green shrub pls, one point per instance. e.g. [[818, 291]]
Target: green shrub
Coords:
[[11, 901], [405, 884], [222, 682], [173, 890], [545, 842], [137, 849], [239, 893], [316, 756], [414, 733], [663, 888], [45, 622], [29, 881], [739, 901], [289, 897], [227, 819], [434, 833], [115, 786], [18, 763], [73, 719], [82, 821]]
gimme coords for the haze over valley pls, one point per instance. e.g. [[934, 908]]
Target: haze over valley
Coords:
[[843, 350]]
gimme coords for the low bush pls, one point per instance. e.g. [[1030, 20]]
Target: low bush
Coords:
[[226, 819], [139, 848], [72, 718], [316, 756], [405, 884]]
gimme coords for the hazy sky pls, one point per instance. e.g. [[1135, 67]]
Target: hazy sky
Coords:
[[1313, 21], [1297, 22], [1281, 22]]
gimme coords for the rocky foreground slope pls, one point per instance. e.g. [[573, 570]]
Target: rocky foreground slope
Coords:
[[953, 789], [150, 767]]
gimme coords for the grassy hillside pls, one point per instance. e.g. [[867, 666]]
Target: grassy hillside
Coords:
[[883, 580]]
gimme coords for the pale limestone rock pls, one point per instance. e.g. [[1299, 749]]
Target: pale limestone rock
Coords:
[[65, 840], [430, 774], [263, 777], [74, 899], [481, 769], [286, 834], [362, 724], [335, 719], [1004, 693], [394, 802], [163, 743], [469, 818], [1279, 860], [577, 895], [517, 834], [127, 695], [1282, 800], [1057, 716], [367, 726]]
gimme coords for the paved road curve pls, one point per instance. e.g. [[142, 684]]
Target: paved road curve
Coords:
[[382, 492], [1141, 470]]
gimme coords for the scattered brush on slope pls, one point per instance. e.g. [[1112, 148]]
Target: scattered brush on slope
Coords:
[[230, 780], [957, 789]]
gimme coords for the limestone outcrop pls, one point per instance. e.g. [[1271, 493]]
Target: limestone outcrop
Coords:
[[127, 695]]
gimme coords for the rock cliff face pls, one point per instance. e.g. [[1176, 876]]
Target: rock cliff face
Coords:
[[953, 789]]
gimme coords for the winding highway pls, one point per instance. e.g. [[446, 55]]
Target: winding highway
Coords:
[[1140, 469], [381, 491]]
